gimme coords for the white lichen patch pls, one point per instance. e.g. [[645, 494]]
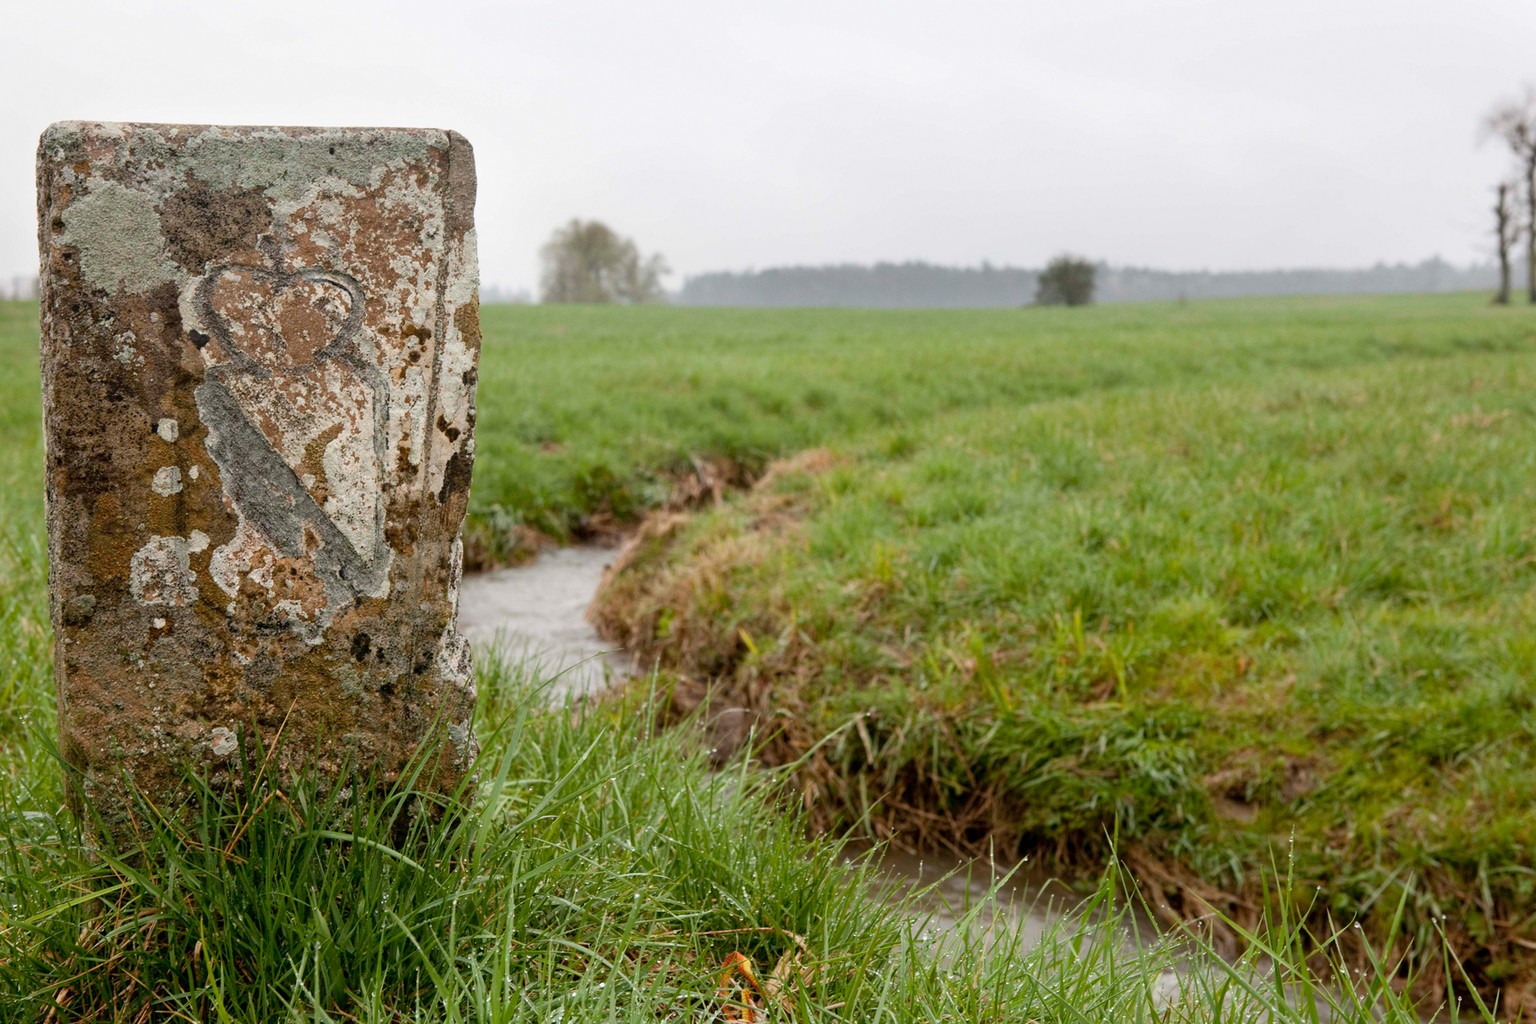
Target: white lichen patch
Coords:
[[245, 552], [286, 166], [311, 628], [167, 481], [262, 574], [198, 540], [125, 349], [354, 479], [465, 747], [454, 659], [167, 429], [464, 271], [222, 742], [160, 573], [455, 575], [117, 232], [193, 472], [456, 363]]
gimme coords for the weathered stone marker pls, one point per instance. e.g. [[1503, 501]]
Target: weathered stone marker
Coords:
[[259, 363]]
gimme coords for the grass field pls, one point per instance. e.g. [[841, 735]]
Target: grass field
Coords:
[[1231, 582], [1244, 587], [590, 412], [603, 873]]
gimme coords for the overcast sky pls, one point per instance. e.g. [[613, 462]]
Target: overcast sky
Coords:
[[1197, 134]]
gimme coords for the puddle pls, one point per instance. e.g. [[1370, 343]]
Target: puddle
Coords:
[[538, 611], [996, 900]]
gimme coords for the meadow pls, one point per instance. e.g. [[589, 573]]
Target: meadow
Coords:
[[1239, 592], [1223, 585]]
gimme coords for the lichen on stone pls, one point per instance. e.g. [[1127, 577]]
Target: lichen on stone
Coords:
[[117, 232], [160, 573], [167, 481]]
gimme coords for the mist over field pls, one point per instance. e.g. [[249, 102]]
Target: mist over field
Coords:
[[1176, 137], [925, 285]]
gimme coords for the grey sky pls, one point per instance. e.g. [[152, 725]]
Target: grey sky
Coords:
[[1202, 133]]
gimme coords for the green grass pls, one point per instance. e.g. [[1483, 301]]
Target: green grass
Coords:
[[587, 412], [26, 663], [598, 868], [1208, 619], [1201, 578], [1206, 578], [599, 873]]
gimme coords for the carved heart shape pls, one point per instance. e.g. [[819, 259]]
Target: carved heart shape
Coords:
[[299, 416], [278, 319]]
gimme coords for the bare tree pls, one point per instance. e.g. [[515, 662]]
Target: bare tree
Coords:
[[1506, 233], [588, 262], [1514, 121]]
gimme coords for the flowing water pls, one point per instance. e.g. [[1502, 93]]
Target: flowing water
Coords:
[[538, 611]]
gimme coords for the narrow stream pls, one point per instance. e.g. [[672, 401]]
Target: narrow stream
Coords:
[[538, 611]]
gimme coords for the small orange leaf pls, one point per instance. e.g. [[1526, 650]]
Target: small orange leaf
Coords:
[[739, 990]]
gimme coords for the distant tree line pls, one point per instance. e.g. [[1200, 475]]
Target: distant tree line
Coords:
[[19, 286], [847, 284], [497, 294], [927, 285]]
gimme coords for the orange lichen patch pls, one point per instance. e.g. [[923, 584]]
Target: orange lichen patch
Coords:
[[109, 543], [307, 316], [467, 320], [313, 464]]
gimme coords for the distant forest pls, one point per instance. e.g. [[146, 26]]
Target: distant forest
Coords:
[[929, 285]]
